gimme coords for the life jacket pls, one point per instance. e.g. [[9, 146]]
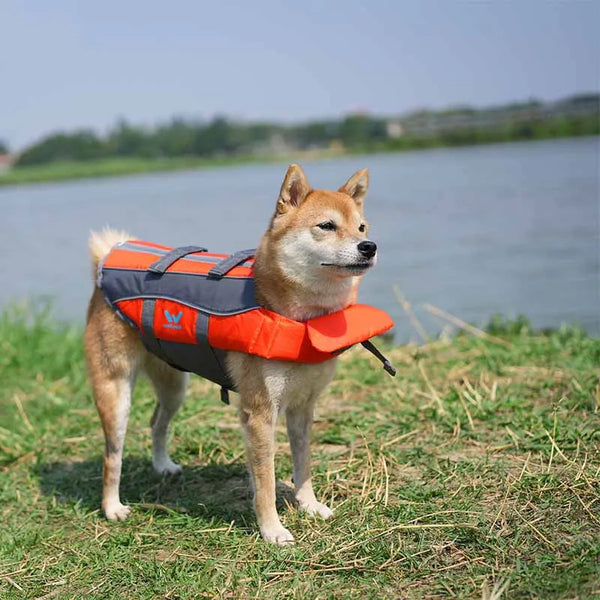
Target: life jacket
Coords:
[[190, 307]]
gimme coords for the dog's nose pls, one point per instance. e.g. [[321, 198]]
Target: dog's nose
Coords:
[[367, 248]]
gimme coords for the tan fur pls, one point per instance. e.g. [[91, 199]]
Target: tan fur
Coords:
[[301, 271]]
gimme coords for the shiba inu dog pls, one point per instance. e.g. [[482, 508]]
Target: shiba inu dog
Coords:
[[309, 263]]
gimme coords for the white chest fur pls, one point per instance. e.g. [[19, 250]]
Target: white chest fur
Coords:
[[283, 383]]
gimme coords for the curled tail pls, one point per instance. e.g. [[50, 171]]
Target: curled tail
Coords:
[[101, 242]]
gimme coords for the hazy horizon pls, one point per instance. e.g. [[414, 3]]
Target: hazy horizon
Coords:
[[85, 66]]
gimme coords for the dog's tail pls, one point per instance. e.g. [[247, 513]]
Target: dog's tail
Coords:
[[101, 242]]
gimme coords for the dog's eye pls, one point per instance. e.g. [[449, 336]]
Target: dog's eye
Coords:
[[362, 228], [327, 226]]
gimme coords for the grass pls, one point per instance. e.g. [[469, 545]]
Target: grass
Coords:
[[118, 166], [111, 167], [474, 473]]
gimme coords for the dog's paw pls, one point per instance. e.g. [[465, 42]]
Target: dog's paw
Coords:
[[117, 512], [277, 535], [167, 467], [316, 509]]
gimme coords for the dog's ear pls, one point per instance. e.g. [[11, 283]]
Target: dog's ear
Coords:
[[294, 189], [356, 187]]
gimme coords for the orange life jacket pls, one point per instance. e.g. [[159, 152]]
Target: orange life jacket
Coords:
[[191, 306]]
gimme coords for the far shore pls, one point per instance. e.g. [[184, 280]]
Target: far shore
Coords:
[[122, 166]]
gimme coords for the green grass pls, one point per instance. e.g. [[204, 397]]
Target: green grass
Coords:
[[118, 166], [477, 466], [112, 167]]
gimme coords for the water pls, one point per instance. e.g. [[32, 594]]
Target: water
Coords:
[[507, 228]]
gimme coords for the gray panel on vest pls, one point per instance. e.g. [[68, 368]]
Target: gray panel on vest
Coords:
[[225, 296], [201, 359]]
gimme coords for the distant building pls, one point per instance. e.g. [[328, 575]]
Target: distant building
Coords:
[[275, 145], [6, 162], [394, 129]]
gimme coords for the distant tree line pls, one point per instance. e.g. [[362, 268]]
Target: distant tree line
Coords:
[[222, 137], [530, 129], [219, 137]]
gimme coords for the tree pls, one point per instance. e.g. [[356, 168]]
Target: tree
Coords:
[[358, 130], [176, 138], [218, 138], [81, 145], [128, 140]]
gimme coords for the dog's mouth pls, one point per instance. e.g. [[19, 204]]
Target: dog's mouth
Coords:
[[352, 267]]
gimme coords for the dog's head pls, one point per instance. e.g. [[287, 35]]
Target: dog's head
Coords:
[[322, 235]]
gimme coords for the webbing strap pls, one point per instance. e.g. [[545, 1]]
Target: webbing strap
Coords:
[[224, 395], [387, 365], [162, 264], [225, 265], [148, 328], [148, 317], [202, 341]]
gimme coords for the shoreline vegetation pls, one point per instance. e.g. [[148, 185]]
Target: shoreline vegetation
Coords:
[[185, 145], [474, 473], [123, 166]]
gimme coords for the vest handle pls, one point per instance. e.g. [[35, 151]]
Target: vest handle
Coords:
[[224, 266], [162, 264]]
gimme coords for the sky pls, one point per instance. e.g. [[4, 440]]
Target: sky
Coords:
[[70, 64]]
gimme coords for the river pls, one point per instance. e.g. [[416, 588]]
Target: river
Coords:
[[508, 228]]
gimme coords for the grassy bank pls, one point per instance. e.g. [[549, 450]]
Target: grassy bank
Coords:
[[118, 166], [478, 466], [114, 167]]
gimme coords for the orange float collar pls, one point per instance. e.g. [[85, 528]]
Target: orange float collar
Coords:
[[191, 307]]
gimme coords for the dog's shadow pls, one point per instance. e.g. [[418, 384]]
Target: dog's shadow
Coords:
[[220, 492]]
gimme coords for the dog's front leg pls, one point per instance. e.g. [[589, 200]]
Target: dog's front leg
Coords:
[[259, 435], [299, 421]]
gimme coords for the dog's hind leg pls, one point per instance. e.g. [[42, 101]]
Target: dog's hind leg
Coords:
[[170, 385], [113, 353], [113, 399], [299, 421]]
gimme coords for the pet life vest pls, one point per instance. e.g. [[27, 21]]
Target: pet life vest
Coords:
[[191, 306]]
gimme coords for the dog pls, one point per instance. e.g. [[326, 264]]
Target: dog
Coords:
[[309, 262]]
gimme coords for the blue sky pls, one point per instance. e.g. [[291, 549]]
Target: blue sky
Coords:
[[68, 64]]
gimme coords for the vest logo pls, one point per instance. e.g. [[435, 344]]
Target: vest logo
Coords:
[[173, 320]]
